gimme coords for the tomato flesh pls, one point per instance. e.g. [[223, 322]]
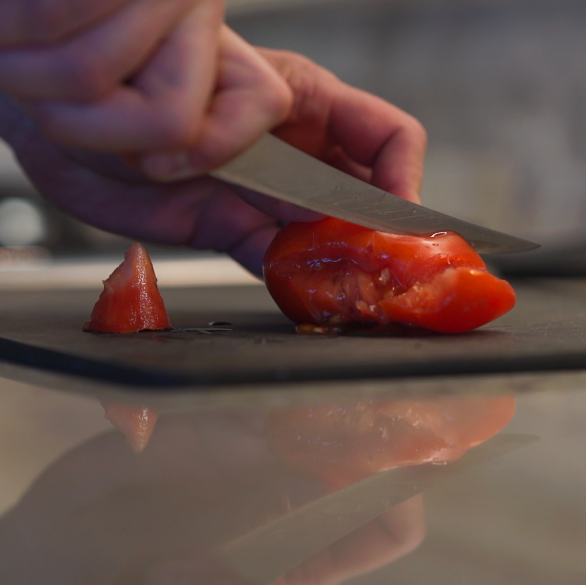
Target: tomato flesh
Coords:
[[333, 271], [130, 301], [342, 444]]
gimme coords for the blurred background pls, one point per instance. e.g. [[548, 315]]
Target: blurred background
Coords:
[[499, 85]]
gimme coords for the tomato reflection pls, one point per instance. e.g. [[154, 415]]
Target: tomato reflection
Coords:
[[343, 444], [136, 423], [208, 481]]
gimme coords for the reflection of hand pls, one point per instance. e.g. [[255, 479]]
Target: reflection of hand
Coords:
[[339, 124], [372, 546], [104, 516]]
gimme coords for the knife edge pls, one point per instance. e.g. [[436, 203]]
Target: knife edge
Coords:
[[274, 168]]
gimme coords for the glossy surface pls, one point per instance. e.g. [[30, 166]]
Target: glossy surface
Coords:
[[130, 301], [195, 503], [211, 500], [332, 271]]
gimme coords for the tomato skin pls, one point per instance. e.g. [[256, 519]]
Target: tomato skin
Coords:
[[333, 269], [343, 444], [130, 301]]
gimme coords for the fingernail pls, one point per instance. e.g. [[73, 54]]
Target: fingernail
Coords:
[[168, 166]]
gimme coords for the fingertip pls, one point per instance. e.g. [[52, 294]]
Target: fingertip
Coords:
[[411, 195]]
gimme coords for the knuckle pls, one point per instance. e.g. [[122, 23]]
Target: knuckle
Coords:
[[305, 80], [83, 76], [277, 102], [174, 128], [295, 62], [298, 70]]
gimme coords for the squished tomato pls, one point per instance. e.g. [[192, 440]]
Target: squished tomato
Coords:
[[343, 444], [332, 271], [130, 301]]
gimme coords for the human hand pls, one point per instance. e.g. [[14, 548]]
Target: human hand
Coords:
[[141, 76], [341, 125], [78, 50], [350, 129], [345, 127]]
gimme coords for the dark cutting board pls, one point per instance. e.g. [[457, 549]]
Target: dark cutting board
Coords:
[[42, 331]]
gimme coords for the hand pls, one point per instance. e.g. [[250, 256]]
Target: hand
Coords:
[[78, 50], [343, 126], [141, 76], [350, 129]]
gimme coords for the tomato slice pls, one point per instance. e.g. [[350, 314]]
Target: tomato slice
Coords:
[[136, 423], [343, 444], [333, 271], [130, 301]]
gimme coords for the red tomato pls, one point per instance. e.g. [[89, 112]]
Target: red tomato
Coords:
[[136, 423], [331, 271], [131, 300], [347, 443]]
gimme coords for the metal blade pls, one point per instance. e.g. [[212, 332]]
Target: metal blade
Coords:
[[277, 169]]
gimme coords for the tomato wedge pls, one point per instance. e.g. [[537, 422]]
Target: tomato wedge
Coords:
[[343, 444], [332, 271], [130, 301]]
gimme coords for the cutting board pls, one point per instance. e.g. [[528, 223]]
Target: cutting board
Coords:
[[236, 336]]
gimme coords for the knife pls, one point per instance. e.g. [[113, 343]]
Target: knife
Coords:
[[273, 167]]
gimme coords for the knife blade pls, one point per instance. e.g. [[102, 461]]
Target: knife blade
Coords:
[[273, 167]]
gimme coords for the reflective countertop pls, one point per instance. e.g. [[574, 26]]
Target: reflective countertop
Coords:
[[460, 478]]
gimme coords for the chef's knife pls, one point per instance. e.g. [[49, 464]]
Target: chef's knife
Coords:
[[277, 169]]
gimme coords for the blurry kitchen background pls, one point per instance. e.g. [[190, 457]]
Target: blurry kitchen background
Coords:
[[500, 86]]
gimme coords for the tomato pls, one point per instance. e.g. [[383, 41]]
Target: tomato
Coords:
[[131, 300], [332, 271], [136, 423], [343, 444]]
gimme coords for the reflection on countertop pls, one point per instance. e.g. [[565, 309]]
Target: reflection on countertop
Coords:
[[95, 512], [248, 496]]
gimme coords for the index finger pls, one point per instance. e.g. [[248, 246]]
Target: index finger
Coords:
[[379, 135], [350, 128]]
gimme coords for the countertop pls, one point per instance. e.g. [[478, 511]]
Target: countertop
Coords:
[[219, 495]]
